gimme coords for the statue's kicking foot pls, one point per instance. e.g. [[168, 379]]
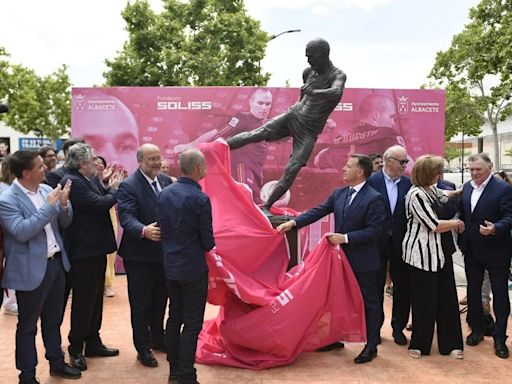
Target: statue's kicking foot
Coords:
[[266, 211]]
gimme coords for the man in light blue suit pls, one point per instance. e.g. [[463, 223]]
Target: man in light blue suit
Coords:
[[32, 215]]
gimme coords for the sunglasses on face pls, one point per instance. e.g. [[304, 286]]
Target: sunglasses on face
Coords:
[[402, 162]]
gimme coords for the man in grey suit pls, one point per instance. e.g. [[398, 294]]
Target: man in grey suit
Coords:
[[31, 214]]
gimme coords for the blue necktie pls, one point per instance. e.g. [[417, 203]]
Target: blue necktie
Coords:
[[351, 191], [155, 188]]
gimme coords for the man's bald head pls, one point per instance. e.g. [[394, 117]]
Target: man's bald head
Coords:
[[193, 164]]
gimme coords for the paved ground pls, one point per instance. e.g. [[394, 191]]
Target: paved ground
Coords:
[[391, 366]]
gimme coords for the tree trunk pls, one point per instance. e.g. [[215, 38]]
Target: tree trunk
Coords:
[[497, 155]]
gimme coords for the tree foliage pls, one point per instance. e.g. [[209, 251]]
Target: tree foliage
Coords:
[[478, 63], [198, 42], [35, 103]]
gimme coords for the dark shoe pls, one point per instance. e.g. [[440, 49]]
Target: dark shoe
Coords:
[[101, 351], [78, 362], [399, 338], [330, 347], [474, 338], [66, 371], [147, 359], [173, 379], [32, 380], [500, 349], [367, 355]]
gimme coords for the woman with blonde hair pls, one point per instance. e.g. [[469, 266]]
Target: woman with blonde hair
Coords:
[[427, 249]]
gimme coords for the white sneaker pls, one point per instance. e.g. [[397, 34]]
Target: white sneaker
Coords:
[[457, 354], [109, 292], [13, 311], [414, 353]]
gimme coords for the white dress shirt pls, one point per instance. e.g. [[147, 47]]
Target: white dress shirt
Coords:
[[39, 200]]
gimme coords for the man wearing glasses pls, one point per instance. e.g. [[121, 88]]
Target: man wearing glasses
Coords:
[[393, 185]]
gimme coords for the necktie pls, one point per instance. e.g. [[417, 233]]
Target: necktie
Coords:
[[155, 188], [351, 191]]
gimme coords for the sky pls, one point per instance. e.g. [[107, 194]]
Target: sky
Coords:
[[377, 43]]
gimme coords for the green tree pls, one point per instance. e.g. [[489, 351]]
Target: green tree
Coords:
[[196, 42], [463, 113], [35, 103], [478, 63], [451, 152]]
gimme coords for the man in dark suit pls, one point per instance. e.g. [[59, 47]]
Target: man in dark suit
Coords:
[[185, 217], [393, 185], [141, 251], [31, 215], [487, 244], [358, 219], [88, 240]]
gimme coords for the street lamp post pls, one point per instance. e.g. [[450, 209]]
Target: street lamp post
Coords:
[[272, 37]]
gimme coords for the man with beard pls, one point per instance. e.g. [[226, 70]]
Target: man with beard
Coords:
[[141, 250]]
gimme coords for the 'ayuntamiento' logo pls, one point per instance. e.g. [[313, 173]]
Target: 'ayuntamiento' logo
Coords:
[[403, 105], [79, 102]]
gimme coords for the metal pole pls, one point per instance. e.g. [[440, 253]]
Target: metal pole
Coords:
[[272, 37]]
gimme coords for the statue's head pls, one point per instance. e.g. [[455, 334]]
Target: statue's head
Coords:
[[317, 52]]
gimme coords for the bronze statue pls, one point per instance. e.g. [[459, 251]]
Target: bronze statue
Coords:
[[305, 120]]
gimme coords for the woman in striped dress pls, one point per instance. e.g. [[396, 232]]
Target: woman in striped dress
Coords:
[[427, 249]]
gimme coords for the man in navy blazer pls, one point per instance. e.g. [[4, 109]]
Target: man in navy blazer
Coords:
[[141, 250], [88, 240], [358, 220], [31, 215], [393, 185], [185, 216], [487, 245]]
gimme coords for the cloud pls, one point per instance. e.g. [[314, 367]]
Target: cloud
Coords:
[[258, 7]]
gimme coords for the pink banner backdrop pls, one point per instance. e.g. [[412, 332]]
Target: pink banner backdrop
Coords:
[[115, 121]]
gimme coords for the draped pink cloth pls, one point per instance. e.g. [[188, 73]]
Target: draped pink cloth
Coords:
[[268, 316]]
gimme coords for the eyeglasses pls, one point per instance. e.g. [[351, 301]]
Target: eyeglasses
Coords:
[[402, 162]]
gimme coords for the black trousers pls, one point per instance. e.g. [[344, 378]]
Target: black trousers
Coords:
[[401, 286], [434, 302], [498, 275], [44, 302], [186, 308], [87, 280], [368, 284], [148, 299]]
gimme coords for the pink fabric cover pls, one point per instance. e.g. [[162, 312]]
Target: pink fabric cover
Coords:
[[268, 316]]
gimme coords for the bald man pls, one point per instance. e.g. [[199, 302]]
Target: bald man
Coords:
[[305, 120], [141, 251], [375, 132], [247, 162], [112, 132]]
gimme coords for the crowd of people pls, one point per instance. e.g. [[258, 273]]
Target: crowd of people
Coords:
[[59, 236]]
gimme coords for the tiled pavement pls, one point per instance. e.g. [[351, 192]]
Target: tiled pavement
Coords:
[[391, 366]]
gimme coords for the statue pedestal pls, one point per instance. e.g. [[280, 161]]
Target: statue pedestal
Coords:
[[292, 236]]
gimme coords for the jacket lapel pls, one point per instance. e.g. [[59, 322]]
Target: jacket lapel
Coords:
[[24, 199], [484, 194], [148, 190]]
